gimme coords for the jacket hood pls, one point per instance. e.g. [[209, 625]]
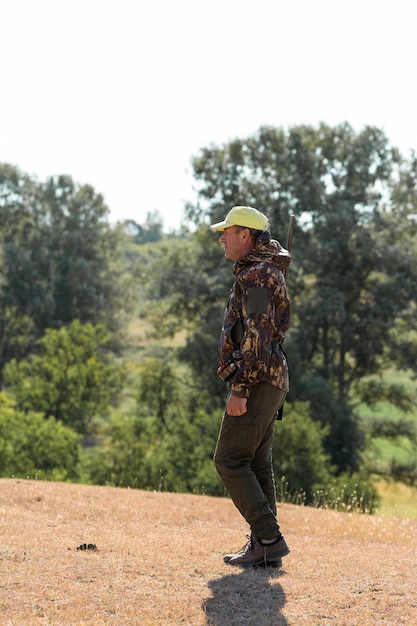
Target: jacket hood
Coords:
[[266, 250]]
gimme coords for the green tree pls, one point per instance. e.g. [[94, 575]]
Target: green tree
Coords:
[[148, 232], [32, 445], [186, 286], [298, 455], [60, 260], [166, 442], [17, 329], [72, 378], [349, 284]]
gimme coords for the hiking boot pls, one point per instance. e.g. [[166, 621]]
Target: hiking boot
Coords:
[[257, 553], [227, 557]]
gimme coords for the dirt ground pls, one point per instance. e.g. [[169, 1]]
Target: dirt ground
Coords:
[[158, 561]]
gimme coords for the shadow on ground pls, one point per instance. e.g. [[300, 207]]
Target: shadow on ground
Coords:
[[251, 597]]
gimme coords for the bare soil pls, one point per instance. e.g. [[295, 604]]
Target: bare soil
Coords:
[[159, 562]]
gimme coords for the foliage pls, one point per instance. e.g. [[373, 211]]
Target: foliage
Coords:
[[166, 444], [343, 436], [354, 269], [352, 283], [402, 433], [72, 377], [34, 446], [150, 231], [298, 455], [351, 493], [303, 470], [59, 260], [187, 285], [138, 454]]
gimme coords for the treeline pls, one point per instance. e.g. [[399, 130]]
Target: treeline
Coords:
[[96, 410]]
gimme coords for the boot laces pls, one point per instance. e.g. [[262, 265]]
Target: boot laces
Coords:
[[249, 545]]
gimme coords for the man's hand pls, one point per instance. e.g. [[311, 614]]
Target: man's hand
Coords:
[[236, 406]]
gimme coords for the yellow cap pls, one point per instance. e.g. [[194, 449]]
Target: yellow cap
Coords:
[[243, 216]]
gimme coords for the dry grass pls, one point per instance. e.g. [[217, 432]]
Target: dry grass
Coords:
[[397, 499], [159, 562]]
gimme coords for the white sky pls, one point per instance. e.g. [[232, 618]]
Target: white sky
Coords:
[[120, 94]]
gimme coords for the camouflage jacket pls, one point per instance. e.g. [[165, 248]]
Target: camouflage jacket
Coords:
[[256, 318]]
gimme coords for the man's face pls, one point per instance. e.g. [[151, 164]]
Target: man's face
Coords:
[[235, 242]]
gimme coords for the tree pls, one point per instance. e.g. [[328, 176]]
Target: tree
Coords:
[[32, 445], [72, 378], [17, 330], [149, 232], [169, 441], [166, 442], [59, 260], [187, 286], [348, 290], [298, 455]]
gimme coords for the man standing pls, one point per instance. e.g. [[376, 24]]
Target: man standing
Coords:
[[254, 364]]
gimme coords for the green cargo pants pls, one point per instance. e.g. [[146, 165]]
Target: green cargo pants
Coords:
[[243, 459]]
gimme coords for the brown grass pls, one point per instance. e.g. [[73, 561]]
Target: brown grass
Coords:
[[159, 562]]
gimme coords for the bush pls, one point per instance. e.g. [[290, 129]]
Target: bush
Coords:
[[34, 446], [73, 377], [300, 464], [146, 453], [351, 494]]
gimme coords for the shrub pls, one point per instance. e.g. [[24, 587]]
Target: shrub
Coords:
[[34, 446]]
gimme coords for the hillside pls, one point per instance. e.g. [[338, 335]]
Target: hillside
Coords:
[[159, 562]]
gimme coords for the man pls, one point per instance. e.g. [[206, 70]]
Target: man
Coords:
[[254, 364]]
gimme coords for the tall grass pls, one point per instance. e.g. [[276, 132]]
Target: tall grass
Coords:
[[348, 497]]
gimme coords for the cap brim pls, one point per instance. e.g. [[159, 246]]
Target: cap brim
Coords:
[[220, 226]]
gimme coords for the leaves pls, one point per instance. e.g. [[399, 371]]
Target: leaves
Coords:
[[59, 258], [72, 378], [353, 276], [34, 446]]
